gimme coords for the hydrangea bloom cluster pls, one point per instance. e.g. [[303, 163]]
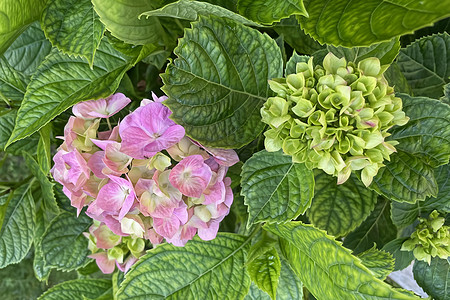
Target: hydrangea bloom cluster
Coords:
[[335, 118], [431, 239], [142, 181]]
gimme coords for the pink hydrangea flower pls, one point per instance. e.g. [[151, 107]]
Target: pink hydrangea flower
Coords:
[[105, 264], [101, 108], [191, 176], [117, 196]]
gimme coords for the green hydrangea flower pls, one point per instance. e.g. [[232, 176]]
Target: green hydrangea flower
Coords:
[[431, 239], [335, 118]]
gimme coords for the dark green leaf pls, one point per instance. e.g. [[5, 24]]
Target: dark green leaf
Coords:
[[275, 188], [402, 258], [395, 78], [7, 121], [13, 83], [291, 65], [78, 289], [43, 149], [201, 270], [269, 11], [362, 23], [339, 209], [425, 64], [381, 263], [218, 83], [434, 278]]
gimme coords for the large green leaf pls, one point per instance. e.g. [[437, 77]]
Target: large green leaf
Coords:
[[28, 50], [269, 11], [425, 64], [404, 214], [73, 27], [91, 288], [41, 270], [63, 244], [265, 271], [294, 35], [200, 270], [121, 18], [218, 83], [339, 209], [256, 294], [17, 228], [434, 278], [191, 10], [402, 258], [386, 52], [395, 78], [6, 127], [377, 228], [381, 263], [13, 83], [275, 188], [405, 178], [54, 88], [15, 16], [352, 23], [328, 270], [427, 134]]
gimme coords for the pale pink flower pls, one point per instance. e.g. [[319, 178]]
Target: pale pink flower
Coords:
[[105, 264], [168, 226], [105, 238], [117, 196], [101, 108], [127, 264], [224, 157], [191, 176]]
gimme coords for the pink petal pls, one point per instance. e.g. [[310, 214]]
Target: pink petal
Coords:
[[106, 239], [170, 137], [106, 265], [215, 194], [191, 176], [209, 233], [166, 227], [96, 164], [101, 108], [224, 157]]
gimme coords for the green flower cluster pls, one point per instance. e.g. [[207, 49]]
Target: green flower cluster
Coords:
[[334, 117], [430, 239]]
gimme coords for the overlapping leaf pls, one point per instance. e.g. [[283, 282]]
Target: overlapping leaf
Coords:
[[340, 208], [200, 270], [275, 188], [381, 263], [352, 23], [13, 83], [269, 11], [265, 271], [80, 289], [218, 83], [402, 258], [434, 278], [291, 65], [327, 269], [7, 121]]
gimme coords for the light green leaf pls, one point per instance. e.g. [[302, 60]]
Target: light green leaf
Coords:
[[217, 93], [53, 89], [63, 243], [377, 228], [385, 51], [404, 214], [396, 79], [425, 64], [43, 149], [73, 27], [275, 188], [339, 209], [328, 270], [434, 278], [91, 288], [6, 127], [381, 263], [28, 50], [15, 16], [364, 22], [265, 271], [295, 36], [200, 270], [405, 178], [17, 227], [402, 258], [427, 134], [256, 294], [121, 18], [49, 200], [269, 11], [190, 10], [13, 83], [291, 64]]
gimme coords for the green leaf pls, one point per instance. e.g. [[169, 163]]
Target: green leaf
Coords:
[[15, 16], [362, 23], [91, 288], [53, 89], [381, 263], [434, 278], [28, 50], [295, 36], [217, 93], [377, 228], [63, 243], [339, 209], [328, 270], [13, 84], [49, 200], [256, 294], [7, 121], [191, 10], [404, 214], [386, 52], [396, 79], [275, 188], [73, 27], [405, 178], [427, 134], [291, 64], [41, 270], [425, 64], [17, 228], [446, 97], [289, 285], [269, 11], [402, 258], [200, 270], [43, 149], [121, 18], [265, 271]]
